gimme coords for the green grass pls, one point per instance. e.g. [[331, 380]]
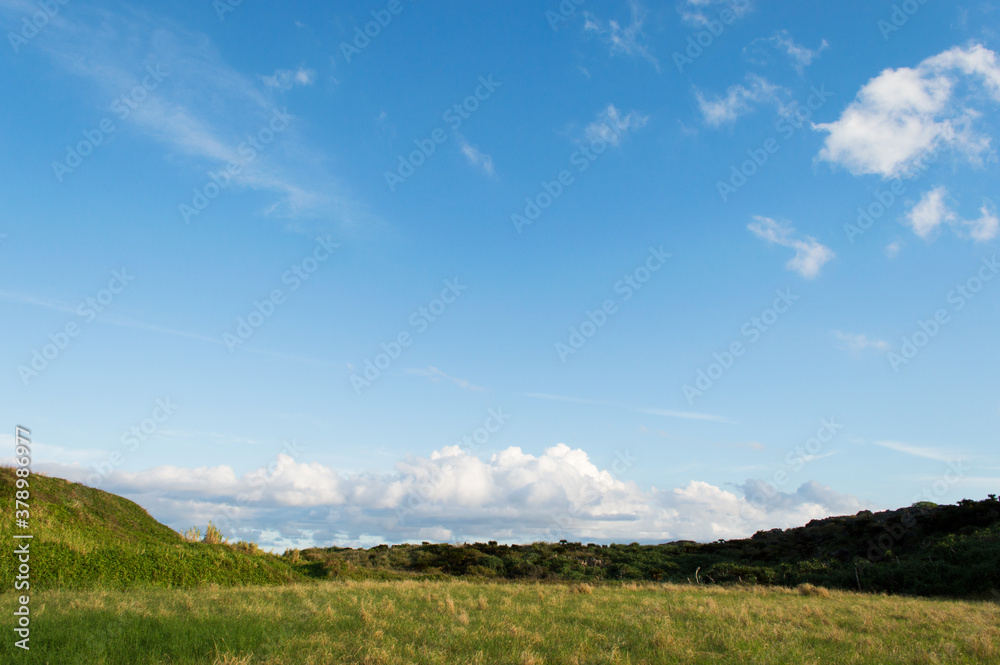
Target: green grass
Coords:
[[85, 538], [460, 621]]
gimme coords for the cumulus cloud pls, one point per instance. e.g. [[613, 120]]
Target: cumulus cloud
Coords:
[[903, 116], [930, 212], [611, 126], [810, 256], [740, 100], [455, 495], [986, 226], [286, 79], [933, 210], [628, 40]]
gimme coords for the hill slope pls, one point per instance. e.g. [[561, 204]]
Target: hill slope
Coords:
[[88, 538], [922, 550]]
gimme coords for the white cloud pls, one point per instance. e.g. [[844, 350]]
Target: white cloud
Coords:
[[919, 451], [628, 40], [686, 415], [286, 79], [200, 107], [477, 158], [810, 256], [858, 343], [903, 116], [610, 125], [434, 375], [512, 496], [699, 13], [932, 210], [740, 100], [987, 226], [893, 248], [800, 56]]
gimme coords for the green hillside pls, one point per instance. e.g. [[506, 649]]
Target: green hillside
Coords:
[[87, 538], [924, 550]]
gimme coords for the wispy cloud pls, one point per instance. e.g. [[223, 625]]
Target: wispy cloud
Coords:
[[435, 375], [800, 56], [740, 100], [286, 79], [699, 13], [204, 108], [859, 343], [628, 40], [611, 126], [810, 256], [936, 454], [666, 413], [687, 415], [477, 158]]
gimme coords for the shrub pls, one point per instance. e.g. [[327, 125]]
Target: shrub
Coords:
[[810, 590], [213, 536]]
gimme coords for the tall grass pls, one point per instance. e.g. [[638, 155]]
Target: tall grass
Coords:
[[519, 623]]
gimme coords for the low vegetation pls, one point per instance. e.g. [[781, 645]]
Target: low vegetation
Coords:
[[85, 538], [923, 550]]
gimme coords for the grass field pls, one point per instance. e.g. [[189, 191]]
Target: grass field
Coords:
[[468, 622]]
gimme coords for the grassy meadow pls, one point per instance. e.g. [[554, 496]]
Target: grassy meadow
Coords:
[[459, 621]]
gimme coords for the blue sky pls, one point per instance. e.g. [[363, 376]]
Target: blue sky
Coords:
[[600, 271]]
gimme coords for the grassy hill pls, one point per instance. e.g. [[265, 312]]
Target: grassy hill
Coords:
[[87, 538]]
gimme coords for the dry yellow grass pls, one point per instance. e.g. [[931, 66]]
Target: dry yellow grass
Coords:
[[466, 622]]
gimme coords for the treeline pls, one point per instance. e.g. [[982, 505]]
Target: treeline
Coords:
[[924, 550]]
